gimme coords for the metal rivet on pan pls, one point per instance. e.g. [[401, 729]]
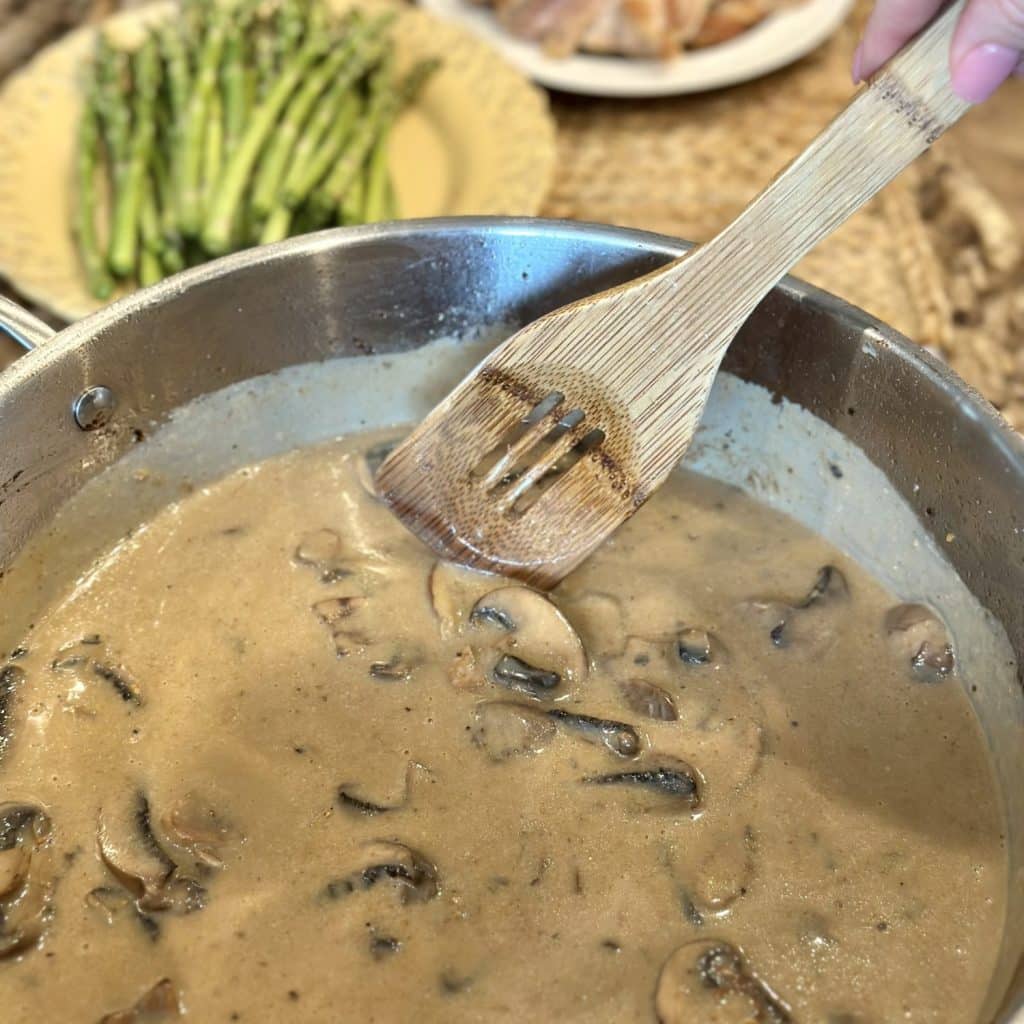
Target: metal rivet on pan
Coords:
[[93, 408]]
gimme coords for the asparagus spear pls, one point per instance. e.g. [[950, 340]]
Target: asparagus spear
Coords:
[[342, 68], [277, 226], [392, 210], [375, 204], [320, 145], [351, 211], [289, 28], [101, 284], [231, 188], [124, 242], [190, 172], [150, 270], [264, 60], [236, 90], [385, 105], [358, 147], [112, 67], [213, 146], [178, 73], [344, 115]]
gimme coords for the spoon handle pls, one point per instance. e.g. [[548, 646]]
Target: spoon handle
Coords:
[[908, 104]]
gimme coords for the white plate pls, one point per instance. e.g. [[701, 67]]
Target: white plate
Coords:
[[776, 42]]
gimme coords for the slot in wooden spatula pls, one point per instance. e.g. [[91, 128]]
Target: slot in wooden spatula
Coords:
[[568, 427]]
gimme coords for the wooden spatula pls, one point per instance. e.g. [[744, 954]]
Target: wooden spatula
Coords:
[[567, 428]]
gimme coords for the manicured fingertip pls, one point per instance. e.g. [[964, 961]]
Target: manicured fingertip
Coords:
[[858, 65], [980, 71]]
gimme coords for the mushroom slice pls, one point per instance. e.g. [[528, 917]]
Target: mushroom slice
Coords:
[[725, 875], [195, 826], [318, 547], [334, 610], [321, 550], [709, 981], [648, 700], [617, 737], [668, 784], [350, 798], [336, 614], [506, 729], [453, 592], [11, 679], [531, 647], [26, 866], [398, 668], [381, 860], [921, 641], [128, 846], [698, 647], [161, 1003], [124, 686], [829, 585], [133, 854]]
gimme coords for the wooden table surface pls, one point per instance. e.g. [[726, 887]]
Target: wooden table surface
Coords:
[[993, 144]]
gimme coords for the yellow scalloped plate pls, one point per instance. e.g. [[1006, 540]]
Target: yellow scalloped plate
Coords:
[[479, 141]]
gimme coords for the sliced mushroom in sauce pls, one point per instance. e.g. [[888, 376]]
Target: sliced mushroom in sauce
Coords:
[[709, 980], [322, 551], [646, 699], [524, 643], [666, 784], [136, 858], [412, 876], [11, 679], [26, 877], [811, 622], [357, 798], [195, 826], [454, 591], [618, 737], [921, 641], [696, 646], [507, 729], [725, 874], [160, 1003]]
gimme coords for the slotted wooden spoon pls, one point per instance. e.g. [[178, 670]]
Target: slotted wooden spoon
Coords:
[[567, 428]]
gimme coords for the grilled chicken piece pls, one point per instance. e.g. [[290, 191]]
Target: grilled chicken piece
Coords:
[[632, 28], [727, 19]]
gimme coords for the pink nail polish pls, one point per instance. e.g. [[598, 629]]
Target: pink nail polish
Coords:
[[981, 71], [858, 64]]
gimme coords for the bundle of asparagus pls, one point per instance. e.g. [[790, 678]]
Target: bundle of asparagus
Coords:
[[233, 125]]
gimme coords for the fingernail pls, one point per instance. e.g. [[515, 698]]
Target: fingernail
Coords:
[[981, 71], [858, 64]]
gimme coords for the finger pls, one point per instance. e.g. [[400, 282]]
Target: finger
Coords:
[[987, 47], [892, 23]]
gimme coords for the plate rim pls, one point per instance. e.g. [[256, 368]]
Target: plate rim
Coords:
[[580, 74]]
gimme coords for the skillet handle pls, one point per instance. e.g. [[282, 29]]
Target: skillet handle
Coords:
[[22, 327]]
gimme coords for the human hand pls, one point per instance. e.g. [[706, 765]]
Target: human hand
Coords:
[[988, 45]]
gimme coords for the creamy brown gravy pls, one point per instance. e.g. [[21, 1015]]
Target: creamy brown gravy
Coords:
[[846, 835]]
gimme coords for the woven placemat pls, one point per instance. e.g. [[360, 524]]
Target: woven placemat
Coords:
[[936, 255]]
